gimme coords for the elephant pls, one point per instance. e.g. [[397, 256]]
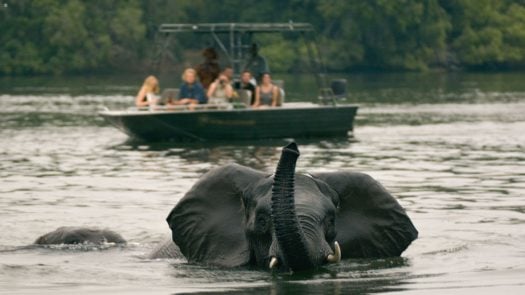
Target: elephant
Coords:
[[236, 216], [73, 235], [80, 235]]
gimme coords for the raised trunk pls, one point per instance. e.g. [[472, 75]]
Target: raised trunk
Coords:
[[288, 231]]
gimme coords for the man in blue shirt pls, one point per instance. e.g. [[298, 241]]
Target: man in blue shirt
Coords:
[[191, 91]]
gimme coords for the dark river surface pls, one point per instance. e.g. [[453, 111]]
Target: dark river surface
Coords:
[[451, 148]]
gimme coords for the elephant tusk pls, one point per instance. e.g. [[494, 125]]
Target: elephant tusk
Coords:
[[336, 257], [273, 262]]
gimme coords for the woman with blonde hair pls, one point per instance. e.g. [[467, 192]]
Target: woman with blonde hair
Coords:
[[147, 95]]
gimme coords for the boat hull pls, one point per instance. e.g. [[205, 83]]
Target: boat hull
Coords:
[[235, 124]]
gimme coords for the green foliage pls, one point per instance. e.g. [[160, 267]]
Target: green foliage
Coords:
[[283, 55], [488, 33], [64, 36], [68, 36], [385, 34]]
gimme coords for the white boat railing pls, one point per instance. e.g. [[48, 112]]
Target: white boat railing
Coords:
[[205, 107], [182, 108]]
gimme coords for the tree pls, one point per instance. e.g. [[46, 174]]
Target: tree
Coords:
[[64, 36], [487, 33], [45, 36], [380, 34]]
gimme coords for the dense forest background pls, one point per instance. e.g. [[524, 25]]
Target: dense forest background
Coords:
[[86, 36]]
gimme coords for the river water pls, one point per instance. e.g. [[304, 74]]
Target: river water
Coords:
[[450, 147]]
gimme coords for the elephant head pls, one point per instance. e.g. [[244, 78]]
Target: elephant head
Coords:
[[80, 235], [235, 216]]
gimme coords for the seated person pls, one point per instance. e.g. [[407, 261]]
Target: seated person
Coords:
[[266, 94], [147, 95], [209, 70], [220, 90], [191, 92], [256, 64], [246, 84]]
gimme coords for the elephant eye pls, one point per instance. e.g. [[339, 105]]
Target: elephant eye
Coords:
[[330, 232], [261, 223]]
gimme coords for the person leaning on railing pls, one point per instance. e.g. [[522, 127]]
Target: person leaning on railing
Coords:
[[191, 92]]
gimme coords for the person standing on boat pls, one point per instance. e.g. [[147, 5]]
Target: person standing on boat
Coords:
[[209, 70], [191, 92], [220, 90], [247, 83], [256, 64], [266, 94], [147, 95]]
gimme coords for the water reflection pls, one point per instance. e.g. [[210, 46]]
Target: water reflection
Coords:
[[349, 277], [255, 154]]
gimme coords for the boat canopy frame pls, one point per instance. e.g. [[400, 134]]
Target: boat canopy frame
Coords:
[[235, 48]]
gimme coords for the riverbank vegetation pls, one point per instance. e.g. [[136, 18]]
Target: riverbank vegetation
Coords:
[[81, 36]]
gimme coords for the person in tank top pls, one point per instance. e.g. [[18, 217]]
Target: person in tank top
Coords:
[[266, 94]]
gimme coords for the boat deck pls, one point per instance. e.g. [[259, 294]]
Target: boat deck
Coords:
[[225, 122]]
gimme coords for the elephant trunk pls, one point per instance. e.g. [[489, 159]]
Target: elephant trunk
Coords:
[[289, 234]]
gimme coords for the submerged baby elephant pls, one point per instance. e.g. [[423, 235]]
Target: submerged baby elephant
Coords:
[[236, 216], [80, 235]]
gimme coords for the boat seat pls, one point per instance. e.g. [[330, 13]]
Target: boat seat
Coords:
[[282, 94], [245, 96], [169, 94], [280, 99]]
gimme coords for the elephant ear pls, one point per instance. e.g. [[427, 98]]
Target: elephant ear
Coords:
[[207, 223], [370, 223]]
